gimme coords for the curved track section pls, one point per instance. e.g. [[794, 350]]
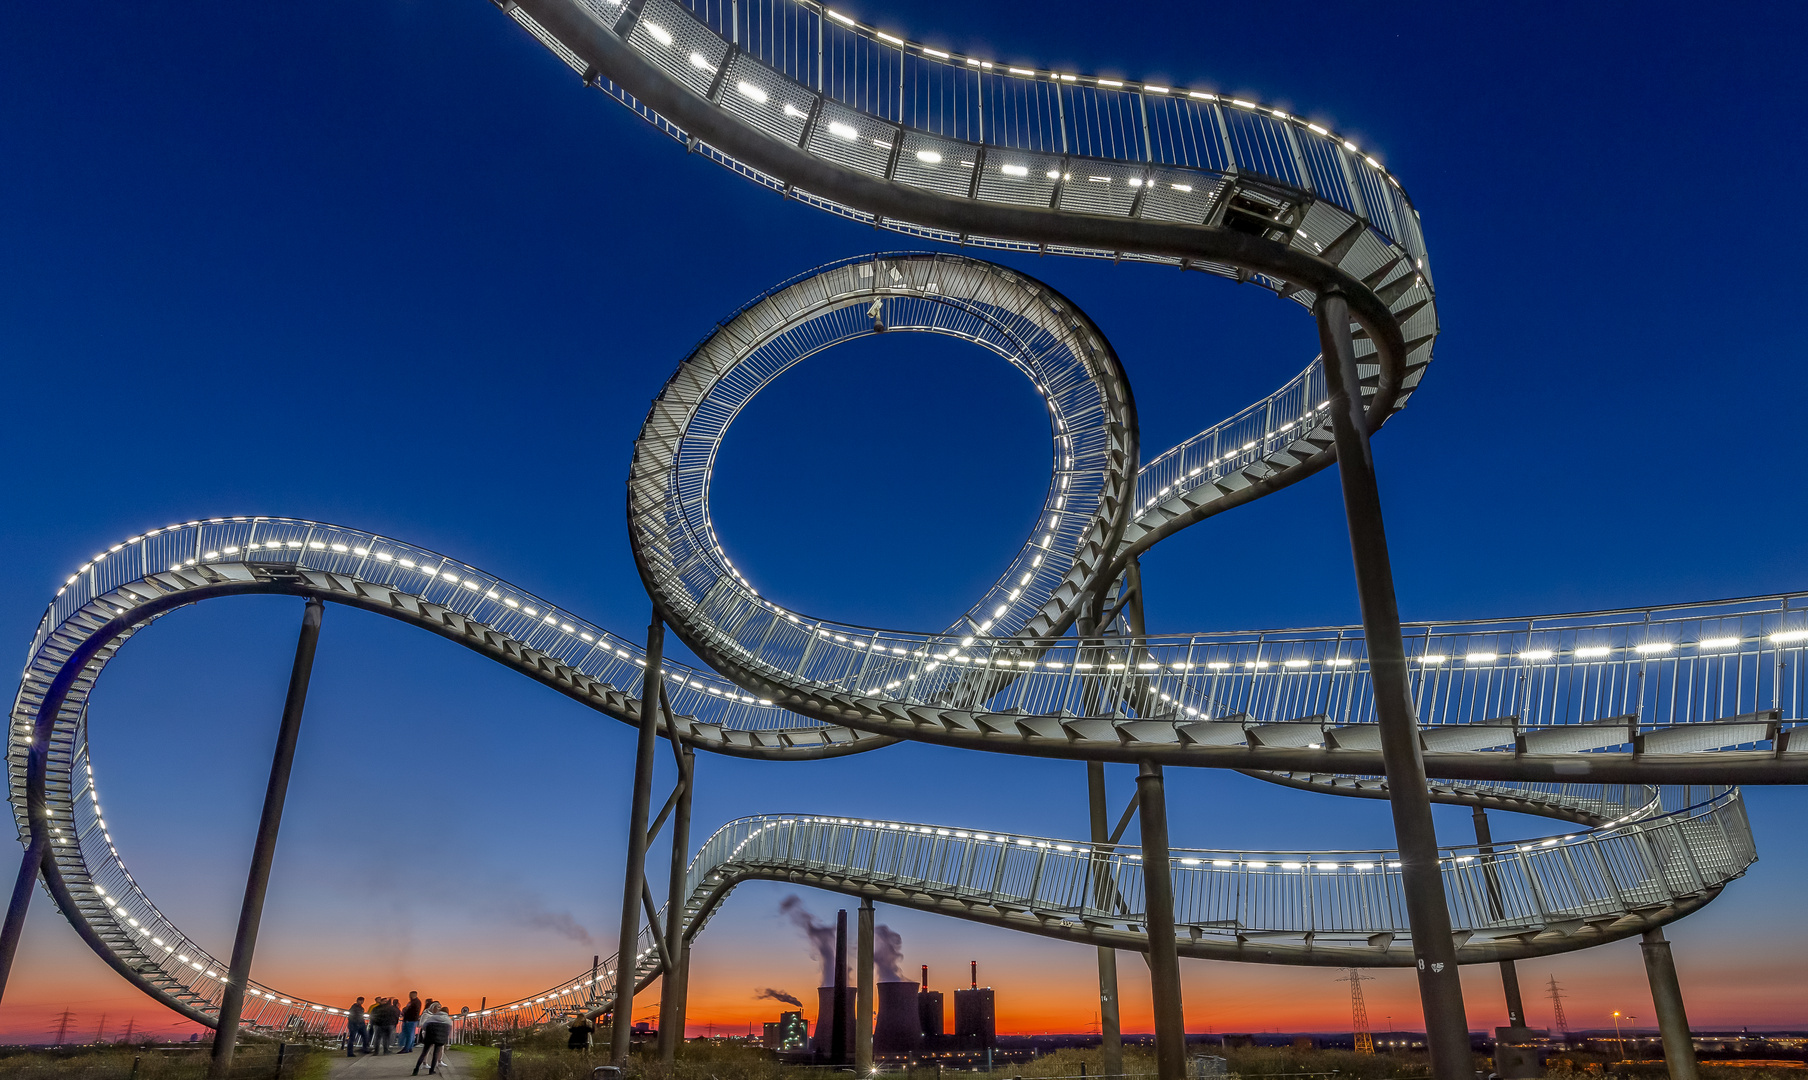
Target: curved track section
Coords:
[[903, 136], [900, 135], [1510, 901], [122, 590], [1681, 857]]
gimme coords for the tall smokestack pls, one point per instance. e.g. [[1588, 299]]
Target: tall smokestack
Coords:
[[975, 974], [925, 978], [838, 1047]]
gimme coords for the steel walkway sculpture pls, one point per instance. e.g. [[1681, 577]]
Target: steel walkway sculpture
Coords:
[[1569, 717]]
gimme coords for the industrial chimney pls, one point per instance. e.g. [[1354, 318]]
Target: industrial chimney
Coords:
[[930, 1013], [838, 1040], [975, 974]]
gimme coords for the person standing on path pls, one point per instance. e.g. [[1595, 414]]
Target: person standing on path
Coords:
[[384, 1016], [356, 1029], [581, 1029], [436, 1032], [411, 1021]]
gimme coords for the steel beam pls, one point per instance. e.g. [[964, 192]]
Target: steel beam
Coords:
[[634, 874], [1666, 994], [1111, 1042], [863, 996], [674, 987], [263, 853], [36, 851], [1164, 955], [1434, 950], [1509, 975]]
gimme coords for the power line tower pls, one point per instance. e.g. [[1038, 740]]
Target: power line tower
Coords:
[[1359, 1011], [1555, 993], [63, 1027], [130, 1022], [101, 1031]]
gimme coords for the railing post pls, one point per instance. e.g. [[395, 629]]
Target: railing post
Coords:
[[1111, 1044], [1158, 904], [263, 853], [1666, 994], [626, 962], [1446, 1027]]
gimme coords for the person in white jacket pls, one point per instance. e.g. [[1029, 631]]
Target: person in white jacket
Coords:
[[436, 1032]]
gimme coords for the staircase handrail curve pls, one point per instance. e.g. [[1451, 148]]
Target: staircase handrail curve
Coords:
[[1540, 887]]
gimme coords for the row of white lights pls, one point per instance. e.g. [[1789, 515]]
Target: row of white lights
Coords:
[[1226, 459], [549, 619], [1215, 863], [114, 907], [1596, 652], [824, 629], [664, 37], [849, 133]]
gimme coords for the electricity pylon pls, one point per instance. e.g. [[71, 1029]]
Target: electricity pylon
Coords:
[[1359, 1011]]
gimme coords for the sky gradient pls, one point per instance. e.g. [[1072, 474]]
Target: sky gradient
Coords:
[[387, 264]]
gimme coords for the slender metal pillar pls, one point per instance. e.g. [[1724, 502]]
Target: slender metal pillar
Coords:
[[1440, 991], [263, 853], [1111, 1040], [863, 996], [1666, 994], [1164, 953], [31, 864], [1509, 975], [675, 986], [634, 875]]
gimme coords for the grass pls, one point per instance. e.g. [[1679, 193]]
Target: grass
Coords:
[[253, 1061], [541, 1055]]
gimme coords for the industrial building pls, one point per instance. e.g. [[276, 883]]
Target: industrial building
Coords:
[[976, 1015], [789, 1035]]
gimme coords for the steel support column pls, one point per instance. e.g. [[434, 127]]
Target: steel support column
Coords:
[[1666, 994], [1111, 1042], [674, 988], [1164, 953], [1509, 975], [1440, 991], [31, 864], [863, 995], [263, 853], [634, 875]]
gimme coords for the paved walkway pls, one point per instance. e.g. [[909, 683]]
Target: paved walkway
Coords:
[[394, 1066]]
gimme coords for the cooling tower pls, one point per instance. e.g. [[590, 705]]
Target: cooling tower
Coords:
[[899, 1028]]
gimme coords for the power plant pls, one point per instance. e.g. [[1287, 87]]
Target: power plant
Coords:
[[929, 1009], [910, 1023]]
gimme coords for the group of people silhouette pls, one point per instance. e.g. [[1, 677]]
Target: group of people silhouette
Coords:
[[426, 1024]]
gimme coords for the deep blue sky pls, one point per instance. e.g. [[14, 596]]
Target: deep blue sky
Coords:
[[387, 264]]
